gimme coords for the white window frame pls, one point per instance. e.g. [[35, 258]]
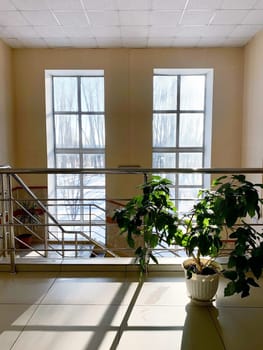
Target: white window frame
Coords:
[[50, 136], [206, 149]]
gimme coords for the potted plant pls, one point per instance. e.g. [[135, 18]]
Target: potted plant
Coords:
[[148, 219], [231, 205]]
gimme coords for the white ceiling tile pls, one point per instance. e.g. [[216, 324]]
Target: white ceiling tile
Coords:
[[134, 4], [134, 31], [162, 31], [238, 4], [254, 17], [204, 4], [160, 42], [33, 42], [12, 18], [190, 31], [211, 42], [101, 5], [13, 42], [2, 30], [67, 18], [76, 31], [50, 31], [239, 42], [64, 4], [6, 5], [54, 42], [30, 4], [109, 42], [258, 4], [186, 42], [135, 42], [217, 31], [106, 31], [246, 31], [118, 23], [168, 4], [229, 16], [196, 17], [165, 18], [83, 42], [17, 31], [103, 18], [39, 17], [131, 18]]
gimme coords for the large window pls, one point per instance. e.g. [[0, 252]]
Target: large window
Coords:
[[76, 139], [182, 101]]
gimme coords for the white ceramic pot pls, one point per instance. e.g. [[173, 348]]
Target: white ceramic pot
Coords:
[[202, 288]]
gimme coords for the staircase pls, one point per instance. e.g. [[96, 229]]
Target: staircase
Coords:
[[30, 230]]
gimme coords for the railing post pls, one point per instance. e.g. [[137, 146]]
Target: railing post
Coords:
[[3, 216], [90, 220], [11, 242]]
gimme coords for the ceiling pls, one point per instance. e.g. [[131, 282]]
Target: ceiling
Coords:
[[129, 23]]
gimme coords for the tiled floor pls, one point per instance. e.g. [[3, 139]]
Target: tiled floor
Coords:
[[105, 311]]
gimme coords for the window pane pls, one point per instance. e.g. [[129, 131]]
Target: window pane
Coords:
[[69, 209], [191, 130], [190, 160], [65, 94], [93, 131], [67, 161], [192, 92], [92, 94], [164, 130], [165, 160], [93, 160], [67, 131], [187, 198], [91, 193], [94, 180], [164, 92]]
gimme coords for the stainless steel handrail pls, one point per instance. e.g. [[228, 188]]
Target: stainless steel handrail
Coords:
[[13, 172], [128, 170]]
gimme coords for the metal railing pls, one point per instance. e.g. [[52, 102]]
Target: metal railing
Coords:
[[54, 236]]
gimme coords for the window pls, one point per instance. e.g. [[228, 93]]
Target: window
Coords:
[[76, 139], [182, 104]]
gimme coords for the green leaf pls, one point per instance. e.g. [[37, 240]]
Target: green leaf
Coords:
[[154, 240], [232, 275], [154, 258], [245, 291], [255, 266], [252, 282], [230, 289]]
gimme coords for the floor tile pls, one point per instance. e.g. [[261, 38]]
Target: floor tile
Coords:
[[69, 339], [160, 316], [78, 315], [163, 293], [183, 321], [89, 291], [12, 322], [240, 328], [25, 288], [88, 311], [154, 340]]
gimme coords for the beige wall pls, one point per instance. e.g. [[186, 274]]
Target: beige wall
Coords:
[[128, 75], [252, 151], [6, 106], [128, 83]]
